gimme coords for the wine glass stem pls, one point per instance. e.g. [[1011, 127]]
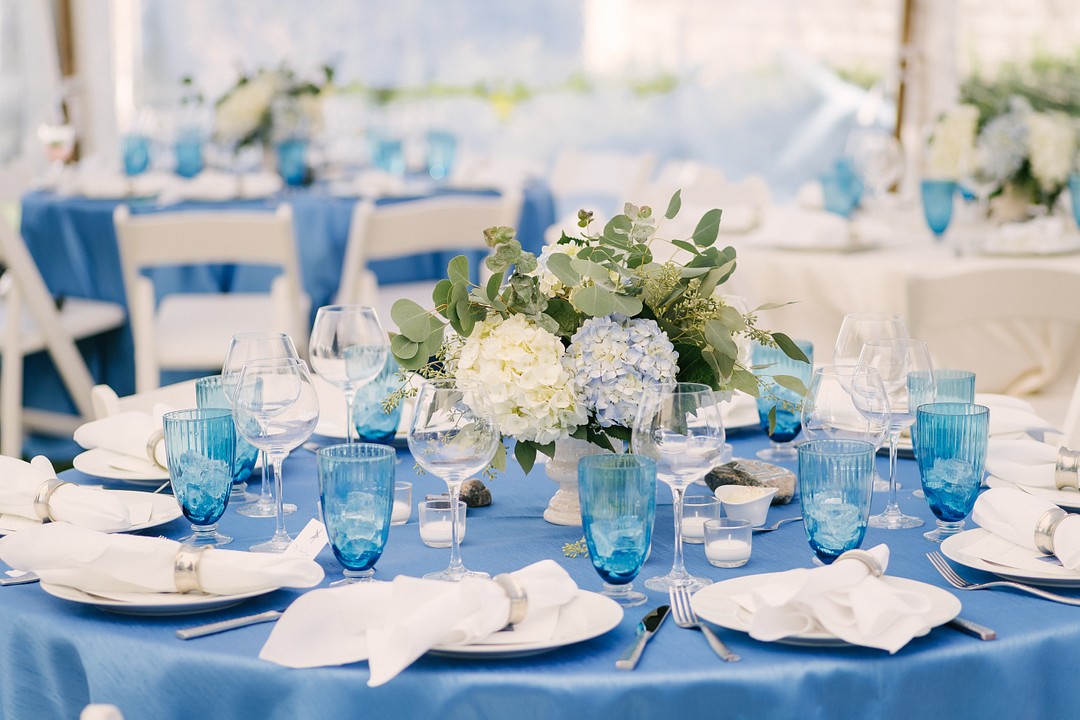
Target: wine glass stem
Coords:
[[279, 504], [893, 506], [265, 495], [455, 532], [678, 568], [350, 398]]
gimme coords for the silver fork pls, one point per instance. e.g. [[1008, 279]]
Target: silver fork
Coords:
[[685, 617], [960, 583], [776, 525]]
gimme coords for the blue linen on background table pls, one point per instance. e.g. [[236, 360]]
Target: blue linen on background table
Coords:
[[56, 657]]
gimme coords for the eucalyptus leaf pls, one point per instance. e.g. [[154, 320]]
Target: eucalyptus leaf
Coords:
[[733, 319], [441, 295], [413, 320], [674, 205], [458, 270], [559, 264], [718, 335], [593, 270], [790, 382], [627, 305], [499, 460], [789, 347], [773, 306], [693, 272], [402, 347], [493, 284], [617, 229], [594, 301], [772, 420], [707, 229], [684, 245], [744, 380]]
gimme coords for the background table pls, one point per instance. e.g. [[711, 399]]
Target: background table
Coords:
[[55, 656]]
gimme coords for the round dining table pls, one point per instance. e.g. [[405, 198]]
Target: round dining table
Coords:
[[57, 656]]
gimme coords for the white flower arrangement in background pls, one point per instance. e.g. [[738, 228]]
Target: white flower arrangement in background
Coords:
[[249, 111], [951, 145]]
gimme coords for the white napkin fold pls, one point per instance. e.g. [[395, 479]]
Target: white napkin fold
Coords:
[[260, 184], [125, 433], [392, 624], [843, 599], [95, 562], [88, 507], [1013, 514], [1022, 461], [210, 185]]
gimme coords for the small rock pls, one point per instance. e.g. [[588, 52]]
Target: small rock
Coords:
[[754, 473], [475, 494]]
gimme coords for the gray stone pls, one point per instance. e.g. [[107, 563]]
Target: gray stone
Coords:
[[475, 494], [754, 473]]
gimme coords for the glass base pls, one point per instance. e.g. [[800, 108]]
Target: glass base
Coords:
[[267, 508], [943, 530], [206, 538], [894, 521], [624, 595], [918, 493], [239, 494], [881, 484], [273, 545], [449, 575], [779, 453], [665, 583], [355, 576]]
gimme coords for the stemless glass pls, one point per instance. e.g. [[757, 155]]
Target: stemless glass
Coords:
[[243, 348], [618, 506], [347, 349], [453, 435], [908, 377], [276, 409], [785, 405], [679, 426], [199, 445], [950, 447], [356, 487]]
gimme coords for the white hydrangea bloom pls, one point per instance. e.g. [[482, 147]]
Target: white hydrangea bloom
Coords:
[[549, 284], [526, 376], [1052, 144], [242, 111], [951, 148]]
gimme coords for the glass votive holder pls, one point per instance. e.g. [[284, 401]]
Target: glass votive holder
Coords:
[[696, 511], [727, 542], [435, 522], [402, 503]]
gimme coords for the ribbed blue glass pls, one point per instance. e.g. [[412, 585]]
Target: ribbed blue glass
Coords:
[[950, 447], [836, 482], [618, 506]]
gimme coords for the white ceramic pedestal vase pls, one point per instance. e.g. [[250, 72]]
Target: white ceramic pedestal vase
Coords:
[[564, 507]]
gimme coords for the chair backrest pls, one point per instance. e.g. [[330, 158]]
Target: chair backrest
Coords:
[[380, 232]]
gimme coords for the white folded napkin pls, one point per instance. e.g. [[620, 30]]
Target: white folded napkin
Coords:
[[392, 624], [843, 599], [1038, 236], [1022, 461], [127, 434], [100, 183], [88, 507], [210, 185], [98, 563], [260, 184], [1013, 514]]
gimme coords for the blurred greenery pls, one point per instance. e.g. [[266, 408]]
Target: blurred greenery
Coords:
[[1048, 82]]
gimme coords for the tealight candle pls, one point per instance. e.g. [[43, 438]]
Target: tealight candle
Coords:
[[693, 529], [402, 503], [436, 534], [435, 526], [727, 542], [696, 511]]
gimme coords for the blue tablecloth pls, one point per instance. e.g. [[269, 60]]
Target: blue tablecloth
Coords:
[[55, 657], [74, 244]]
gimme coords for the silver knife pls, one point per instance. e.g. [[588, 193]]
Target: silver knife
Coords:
[[972, 628], [645, 630], [23, 579], [217, 627]]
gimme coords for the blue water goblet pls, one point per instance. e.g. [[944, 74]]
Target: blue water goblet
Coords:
[[356, 487], [374, 424], [388, 155], [937, 202], [780, 407], [189, 154], [950, 449], [292, 161], [199, 448], [618, 506], [441, 150], [210, 394], [951, 386], [842, 188], [836, 482], [135, 149]]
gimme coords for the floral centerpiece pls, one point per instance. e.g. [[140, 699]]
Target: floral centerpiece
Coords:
[[245, 114], [564, 343]]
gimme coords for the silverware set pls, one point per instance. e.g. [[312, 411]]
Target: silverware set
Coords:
[[950, 575]]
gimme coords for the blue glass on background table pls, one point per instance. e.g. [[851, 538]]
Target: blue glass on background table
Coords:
[[1074, 196], [618, 507], [842, 188], [292, 161], [787, 403], [210, 394], [189, 154], [441, 151], [199, 446], [836, 483], [937, 202], [387, 155], [373, 424], [136, 154], [356, 488], [950, 449], [950, 386]]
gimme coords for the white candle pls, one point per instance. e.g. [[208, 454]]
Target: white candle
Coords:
[[437, 533], [727, 553], [693, 528], [400, 513]]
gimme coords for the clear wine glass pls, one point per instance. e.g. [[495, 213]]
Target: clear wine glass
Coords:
[[679, 426], [348, 349], [878, 158], [243, 348], [276, 409], [453, 435], [908, 376], [846, 402]]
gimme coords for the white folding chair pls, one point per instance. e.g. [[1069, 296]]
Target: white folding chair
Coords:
[[191, 331], [383, 232], [31, 323]]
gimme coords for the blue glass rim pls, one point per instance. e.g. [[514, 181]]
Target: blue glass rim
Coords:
[[357, 452], [197, 414], [616, 461], [835, 447], [954, 409]]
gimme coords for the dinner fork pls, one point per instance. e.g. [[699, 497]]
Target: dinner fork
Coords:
[[776, 525], [685, 617], [960, 583]]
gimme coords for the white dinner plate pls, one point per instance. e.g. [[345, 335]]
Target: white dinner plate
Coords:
[[165, 510], [713, 603], [152, 603], [593, 615], [103, 463], [1062, 498], [955, 547]]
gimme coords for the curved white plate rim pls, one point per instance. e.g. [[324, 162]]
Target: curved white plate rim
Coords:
[[96, 462], [165, 510], [953, 548], [604, 615], [164, 604], [944, 606], [1058, 497]]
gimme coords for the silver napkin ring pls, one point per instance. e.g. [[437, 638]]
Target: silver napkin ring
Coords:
[[151, 446], [1066, 470], [186, 569], [519, 599], [1045, 527], [866, 559], [44, 495]]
